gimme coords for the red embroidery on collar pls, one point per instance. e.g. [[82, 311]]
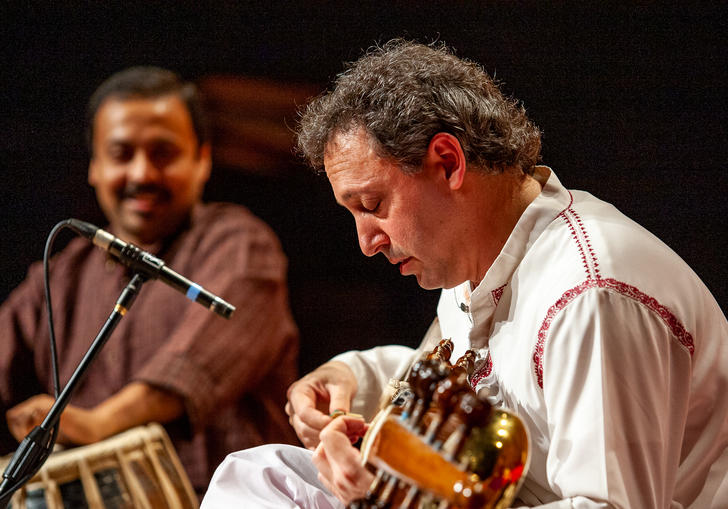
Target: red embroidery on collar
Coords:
[[595, 280], [483, 372], [498, 293]]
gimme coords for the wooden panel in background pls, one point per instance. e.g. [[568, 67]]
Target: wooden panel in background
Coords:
[[252, 121]]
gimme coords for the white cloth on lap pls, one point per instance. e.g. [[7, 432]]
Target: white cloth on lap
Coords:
[[270, 476]]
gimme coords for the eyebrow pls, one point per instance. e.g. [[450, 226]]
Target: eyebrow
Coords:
[[126, 139], [347, 196]]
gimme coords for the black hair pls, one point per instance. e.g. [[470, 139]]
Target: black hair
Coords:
[[148, 82]]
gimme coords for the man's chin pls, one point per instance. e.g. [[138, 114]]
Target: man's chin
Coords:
[[427, 284], [140, 230]]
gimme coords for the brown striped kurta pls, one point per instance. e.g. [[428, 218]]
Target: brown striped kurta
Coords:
[[232, 374]]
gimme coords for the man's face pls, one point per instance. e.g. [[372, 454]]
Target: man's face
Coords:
[[404, 217], [146, 167]]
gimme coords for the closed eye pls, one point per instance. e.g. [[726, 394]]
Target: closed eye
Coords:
[[162, 154], [120, 152], [371, 205]]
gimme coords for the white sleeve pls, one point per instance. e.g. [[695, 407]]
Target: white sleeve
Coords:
[[615, 384], [373, 368]]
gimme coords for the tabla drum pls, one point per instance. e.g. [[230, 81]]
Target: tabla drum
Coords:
[[138, 468]]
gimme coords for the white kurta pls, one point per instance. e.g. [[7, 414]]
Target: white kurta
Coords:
[[608, 346]]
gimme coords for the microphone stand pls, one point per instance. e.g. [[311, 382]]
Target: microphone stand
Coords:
[[36, 446]]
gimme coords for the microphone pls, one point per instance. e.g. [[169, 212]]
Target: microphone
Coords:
[[150, 266]]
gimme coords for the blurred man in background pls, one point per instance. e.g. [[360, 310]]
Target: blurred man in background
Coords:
[[217, 385]]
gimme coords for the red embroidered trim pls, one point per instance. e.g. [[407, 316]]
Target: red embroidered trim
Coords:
[[498, 293], [594, 280], [483, 372], [581, 237], [677, 328]]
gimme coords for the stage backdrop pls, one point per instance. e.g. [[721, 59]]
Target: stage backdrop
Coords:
[[631, 101]]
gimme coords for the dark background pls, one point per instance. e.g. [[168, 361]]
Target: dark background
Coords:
[[631, 101]]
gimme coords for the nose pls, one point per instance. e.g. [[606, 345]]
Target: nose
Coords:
[[372, 239], [142, 169]]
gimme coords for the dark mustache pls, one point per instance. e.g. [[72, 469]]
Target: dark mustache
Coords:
[[133, 189]]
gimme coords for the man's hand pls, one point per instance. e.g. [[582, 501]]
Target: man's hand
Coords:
[[313, 398], [136, 404], [339, 463], [78, 426]]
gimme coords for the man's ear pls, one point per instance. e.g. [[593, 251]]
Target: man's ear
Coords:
[[446, 154], [92, 172], [205, 161]]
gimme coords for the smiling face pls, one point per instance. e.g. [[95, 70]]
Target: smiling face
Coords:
[[147, 168], [406, 217]]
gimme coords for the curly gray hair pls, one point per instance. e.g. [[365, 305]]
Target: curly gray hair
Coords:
[[403, 93]]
